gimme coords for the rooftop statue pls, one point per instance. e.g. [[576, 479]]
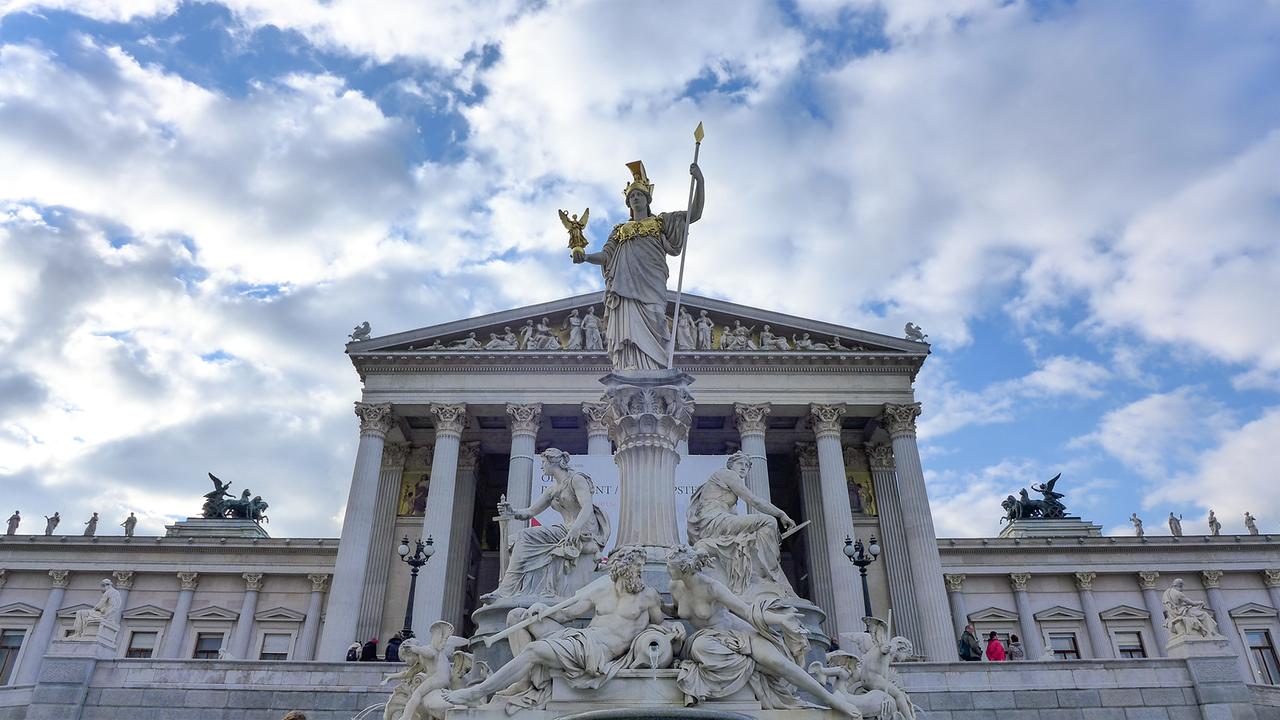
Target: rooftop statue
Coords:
[[1215, 527], [1175, 525], [634, 265], [361, 332], [1251, 523], [1137, 524], [1025, 508], [914, 333], [221, 504]]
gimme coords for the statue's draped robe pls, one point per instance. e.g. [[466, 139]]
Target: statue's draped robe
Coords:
[[746, 547], [720, 661], [635, 277]]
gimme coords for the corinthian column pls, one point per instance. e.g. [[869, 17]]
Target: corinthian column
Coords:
[[597, 428], [1226, 623], [1098, 637], [351, 566], [1151, 600], [837, 518], [43, 632], [464, 508], [649, 413], [382, 548], [244, 624], [816, 540], [893, 543], [123, 581], [171, 647], [429, 605], [1031, 639], [752, 420], [1271, 578], [306, 648], [525, 420], [932, 613], [959, 609]]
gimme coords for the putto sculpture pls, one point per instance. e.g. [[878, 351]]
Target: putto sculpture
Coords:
[[221, 504], [431, 668], [864, 675], [1023, 507]]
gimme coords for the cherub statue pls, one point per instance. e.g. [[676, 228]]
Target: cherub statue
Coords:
[[431, 668], [914, 333], [577, 240], [875, 649], [361, 332], [844, 669]]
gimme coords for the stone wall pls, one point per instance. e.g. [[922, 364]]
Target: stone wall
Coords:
[[14, 701], [1266, 700]]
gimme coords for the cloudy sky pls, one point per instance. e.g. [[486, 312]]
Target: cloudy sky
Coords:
[[1079, 201]]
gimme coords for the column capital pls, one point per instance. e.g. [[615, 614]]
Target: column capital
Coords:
[[451, 418], [1147, 579], [469, 455], [807, 454], [319, 581], [189, 580], [375, 418], [825, 419], [1084, 580], [879, 455], [252, 581], [525, 418], [955, 583], [900, 420], [1018, 581], [60, 577], [394, 455], [752, 419], [123, 579], [1270, 577], [597, 418], [1211, 577]]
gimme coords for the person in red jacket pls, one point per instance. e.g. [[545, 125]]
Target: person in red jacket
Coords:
[[995, 650]]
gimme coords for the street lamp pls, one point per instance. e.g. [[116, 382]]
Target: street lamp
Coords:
[[421, 554], [862, 557]]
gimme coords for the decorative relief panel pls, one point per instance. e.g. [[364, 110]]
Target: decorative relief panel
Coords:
[[414, 485]]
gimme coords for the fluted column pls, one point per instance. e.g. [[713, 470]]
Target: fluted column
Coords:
[[244, 624], [525, 420], [837, 518], [932, 613], [1272, 580], [382, 547], [1031, 639], [959, 608], [752, 420], [597, 414], [648, 415], [894, 551], [123, 581], [464, 507], [816, 541], [43, 632], [1151, 600], [429, 603], [306, 647], [171, 648], [1098, 637], [1226, 623], [351, 568]]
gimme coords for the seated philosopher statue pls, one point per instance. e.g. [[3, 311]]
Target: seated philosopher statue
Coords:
[[1184, 616], [108, 609], [543, 555], [745, 547]]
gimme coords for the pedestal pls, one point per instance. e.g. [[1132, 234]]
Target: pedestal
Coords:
[[1189, 646], [1068, 527], [649, 414], [201, 527], [62, 683]]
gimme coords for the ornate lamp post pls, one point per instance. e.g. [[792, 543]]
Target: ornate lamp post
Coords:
[[421, 554], [862, 557]]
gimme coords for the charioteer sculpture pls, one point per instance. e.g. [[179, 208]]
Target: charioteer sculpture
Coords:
[[221, 504], [1025, 508]]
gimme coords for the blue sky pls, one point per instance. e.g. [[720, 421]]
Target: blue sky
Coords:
[[1079, 201]]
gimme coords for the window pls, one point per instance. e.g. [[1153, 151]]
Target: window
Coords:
[[207, 646], [1263, 651], [142, 644], [1064, 646], [275, 646], [10, 644], [1129, 645]]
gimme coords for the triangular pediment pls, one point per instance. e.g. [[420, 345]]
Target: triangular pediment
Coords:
[[787, 329], [1252, 611], [213, 612], [1124, 612], [1058, 612], [993, 614], [279, 614], [17, 610], [148, 612], [71, 610]]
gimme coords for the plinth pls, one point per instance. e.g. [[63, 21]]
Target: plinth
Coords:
[[649, 414], [201, 527], [1067, 527]]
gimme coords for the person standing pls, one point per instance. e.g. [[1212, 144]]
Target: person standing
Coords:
[[353, 652], [393, 649], [1015, 649], [369, 653], [968, 647], [995, 650]]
